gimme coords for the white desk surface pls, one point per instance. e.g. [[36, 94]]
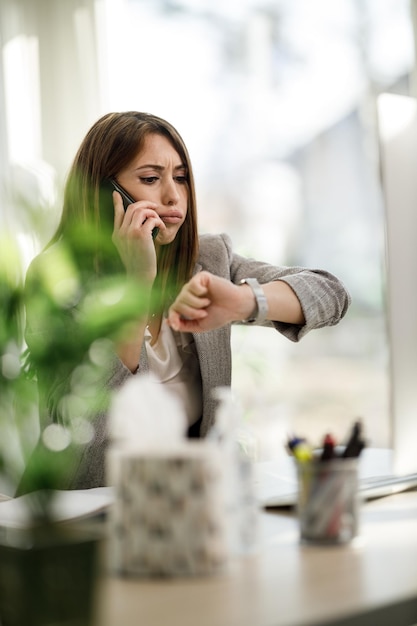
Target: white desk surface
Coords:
[[370, 582]]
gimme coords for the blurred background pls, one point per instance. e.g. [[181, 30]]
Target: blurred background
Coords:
[[276, 102]]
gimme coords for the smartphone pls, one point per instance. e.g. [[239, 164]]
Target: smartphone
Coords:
[[127, 199]]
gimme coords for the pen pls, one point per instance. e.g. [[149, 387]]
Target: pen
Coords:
[[300, 449], [328, 448], [355, 443], [293, 442]]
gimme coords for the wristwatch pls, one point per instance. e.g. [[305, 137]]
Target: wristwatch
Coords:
[[260, 311]]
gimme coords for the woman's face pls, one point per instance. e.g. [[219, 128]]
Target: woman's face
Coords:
[[157, 174]]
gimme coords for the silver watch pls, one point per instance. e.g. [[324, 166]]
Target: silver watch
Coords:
[[260, 312]]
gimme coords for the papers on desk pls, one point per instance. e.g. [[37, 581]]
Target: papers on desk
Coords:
[[276, 482], [275, 486], [66, 506]]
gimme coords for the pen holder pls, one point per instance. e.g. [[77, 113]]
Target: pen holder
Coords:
[[170, 516], [328, 500]]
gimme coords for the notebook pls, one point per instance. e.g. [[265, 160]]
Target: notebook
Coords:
[[276, 481], [67, 506], [385, 471]]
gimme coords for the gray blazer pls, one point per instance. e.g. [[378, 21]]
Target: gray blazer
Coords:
[[324, 301]]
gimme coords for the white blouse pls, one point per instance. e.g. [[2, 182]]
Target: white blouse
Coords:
[[174, 362]]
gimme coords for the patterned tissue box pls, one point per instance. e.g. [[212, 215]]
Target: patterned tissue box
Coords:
[[170, 514]]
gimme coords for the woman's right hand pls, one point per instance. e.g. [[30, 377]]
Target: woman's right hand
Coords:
[[132, 236]]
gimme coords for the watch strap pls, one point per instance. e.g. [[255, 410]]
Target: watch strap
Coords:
[[260, 312]]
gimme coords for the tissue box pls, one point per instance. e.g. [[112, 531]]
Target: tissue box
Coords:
[[170, 515]]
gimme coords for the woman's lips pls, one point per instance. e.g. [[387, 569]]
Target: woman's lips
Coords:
[[171, 218]]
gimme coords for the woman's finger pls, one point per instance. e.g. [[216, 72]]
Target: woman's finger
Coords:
[[119, 211]]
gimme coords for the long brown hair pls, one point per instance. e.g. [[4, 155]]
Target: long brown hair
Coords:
[[109, 146]]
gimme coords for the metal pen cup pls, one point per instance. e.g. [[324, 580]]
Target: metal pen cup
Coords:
[[328, 500]]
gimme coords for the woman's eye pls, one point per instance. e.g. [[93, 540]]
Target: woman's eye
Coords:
[[149, 180], [181, 179]]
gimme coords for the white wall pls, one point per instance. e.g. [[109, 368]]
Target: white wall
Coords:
[[49, 96]]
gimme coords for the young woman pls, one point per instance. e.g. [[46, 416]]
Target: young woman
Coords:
[[194, 286]]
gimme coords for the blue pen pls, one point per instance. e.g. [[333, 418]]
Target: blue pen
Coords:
[[293, 442]]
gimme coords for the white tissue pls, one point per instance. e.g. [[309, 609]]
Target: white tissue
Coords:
[[171, 513], [144, 414]]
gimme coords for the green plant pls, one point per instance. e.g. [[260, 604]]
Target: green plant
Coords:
[[80, 313]]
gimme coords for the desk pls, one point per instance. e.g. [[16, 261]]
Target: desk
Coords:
[[372, 581]]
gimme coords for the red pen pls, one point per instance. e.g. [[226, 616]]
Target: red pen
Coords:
[[328, 448]]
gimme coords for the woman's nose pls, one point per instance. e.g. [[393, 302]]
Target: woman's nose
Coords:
[[170, 193]]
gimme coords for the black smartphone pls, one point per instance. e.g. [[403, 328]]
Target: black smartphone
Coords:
[[127, 199]]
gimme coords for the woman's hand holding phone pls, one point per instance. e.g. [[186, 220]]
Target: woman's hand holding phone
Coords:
[[127, 200], [132, 236]]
